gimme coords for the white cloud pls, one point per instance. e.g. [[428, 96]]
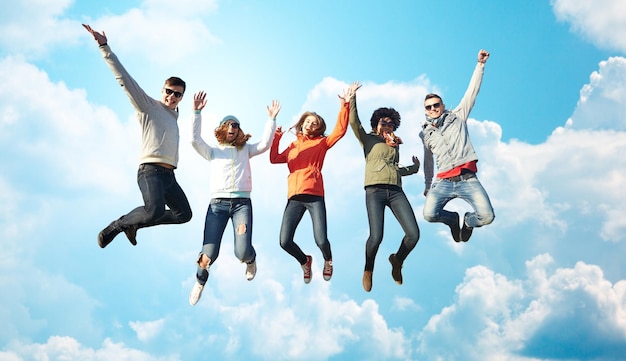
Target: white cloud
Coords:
[[405, 304], [602, 103], [294, 321], [156, 24], [46, 27], [68, 348], [54, 127], [147, 330], [575, 310], [603, 22]]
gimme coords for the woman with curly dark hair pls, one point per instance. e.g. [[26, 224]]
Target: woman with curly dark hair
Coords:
[[383, 187]]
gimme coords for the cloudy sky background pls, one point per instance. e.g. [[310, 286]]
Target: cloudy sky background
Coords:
[[545, 281]]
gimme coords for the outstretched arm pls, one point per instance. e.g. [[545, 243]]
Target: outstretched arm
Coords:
[[342, 119], [199, 102], [469, 98], [353, 118], [140, 100], [268, 132]]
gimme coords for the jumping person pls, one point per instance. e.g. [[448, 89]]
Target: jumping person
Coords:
[[305, 159], [383, 188], [445, 134], [159, 153], [231, 185]]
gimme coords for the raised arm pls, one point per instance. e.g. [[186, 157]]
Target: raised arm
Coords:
[[140, 100], [199, 102], [269, 131], [353, 117], [276, 157], [469, 98], [342, 119]]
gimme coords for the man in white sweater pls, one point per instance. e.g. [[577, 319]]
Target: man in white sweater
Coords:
[[159, 153]]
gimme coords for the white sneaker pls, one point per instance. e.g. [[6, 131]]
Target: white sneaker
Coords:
[[250, 270], [196, 293]]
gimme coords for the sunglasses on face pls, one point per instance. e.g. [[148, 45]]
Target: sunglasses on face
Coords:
[[386, 123], [169, 91], [233, 125], [433, 106]]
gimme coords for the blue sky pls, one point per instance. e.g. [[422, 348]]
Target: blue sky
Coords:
[[545, 281]]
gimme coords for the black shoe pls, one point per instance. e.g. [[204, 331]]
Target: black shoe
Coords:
[[106, 235], [131, 234], [396, 268], [454, 229], [466, 231]]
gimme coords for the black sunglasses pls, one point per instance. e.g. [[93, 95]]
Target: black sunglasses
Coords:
[[433, 106], [170, 91]]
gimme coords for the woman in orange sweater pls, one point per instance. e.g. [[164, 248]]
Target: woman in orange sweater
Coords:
[[305, 158]]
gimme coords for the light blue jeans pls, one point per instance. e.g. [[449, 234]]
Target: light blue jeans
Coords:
[[220, 210], [470, 190]]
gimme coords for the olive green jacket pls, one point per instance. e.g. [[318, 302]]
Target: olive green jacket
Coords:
[[381, 160]]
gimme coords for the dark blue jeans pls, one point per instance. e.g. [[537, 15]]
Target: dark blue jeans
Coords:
[[220, 210], [159, 189], [377, 197], [296, 206]]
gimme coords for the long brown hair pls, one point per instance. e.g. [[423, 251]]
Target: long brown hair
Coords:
[[221, 133], [319, 131]]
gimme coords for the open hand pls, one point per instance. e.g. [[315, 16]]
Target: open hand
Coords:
[[199, 100], [274, 109], [100, 38]]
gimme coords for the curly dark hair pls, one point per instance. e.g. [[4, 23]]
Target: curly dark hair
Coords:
[[381, 113], [221, 133]]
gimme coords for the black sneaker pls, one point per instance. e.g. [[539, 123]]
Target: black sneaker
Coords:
[[106, 235], [131, 234], [455, 229], [466, 231], [396, 268]]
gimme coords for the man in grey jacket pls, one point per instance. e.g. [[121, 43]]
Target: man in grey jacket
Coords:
[[159, 153], [444, 134]]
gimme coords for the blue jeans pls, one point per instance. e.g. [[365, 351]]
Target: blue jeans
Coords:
[[377, 197], [296, 206], [470, 190], [220, 210], [158, 188]]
